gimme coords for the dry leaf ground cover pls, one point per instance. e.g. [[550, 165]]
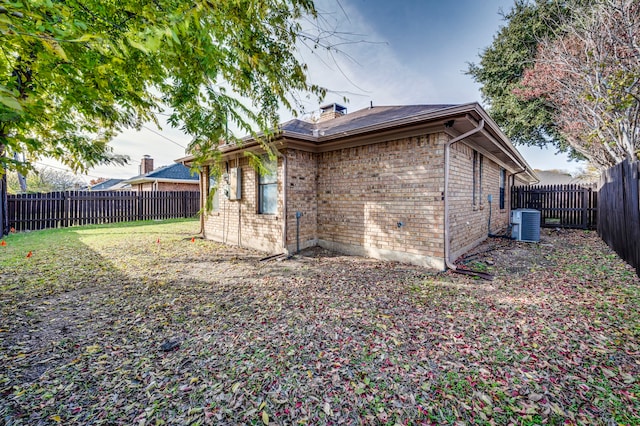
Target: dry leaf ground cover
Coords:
[[137, 324]]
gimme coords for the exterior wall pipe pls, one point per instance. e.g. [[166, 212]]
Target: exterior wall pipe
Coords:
[[284, 201], [447, 148], [204, 193]]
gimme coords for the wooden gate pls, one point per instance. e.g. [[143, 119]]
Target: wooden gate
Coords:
[[561, 206]]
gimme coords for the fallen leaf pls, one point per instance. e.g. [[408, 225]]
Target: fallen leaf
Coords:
[[607, 373], [484, 397], [326, 407], [535, 397], [92, 349]]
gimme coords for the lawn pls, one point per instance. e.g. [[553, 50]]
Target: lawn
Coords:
[[141, 324]]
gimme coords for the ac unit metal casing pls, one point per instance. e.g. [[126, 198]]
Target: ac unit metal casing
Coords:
[[525, 225]]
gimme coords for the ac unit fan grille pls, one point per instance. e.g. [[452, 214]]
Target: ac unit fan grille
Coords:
[[530, 226]]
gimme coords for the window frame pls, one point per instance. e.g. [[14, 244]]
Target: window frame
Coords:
[[213, 184], [268, 181], [475, 178], [502, 185], [480, 173]]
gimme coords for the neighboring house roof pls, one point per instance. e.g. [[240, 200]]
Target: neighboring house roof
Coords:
[[381, 123], [552, 177], [173, 173], [109, 184]]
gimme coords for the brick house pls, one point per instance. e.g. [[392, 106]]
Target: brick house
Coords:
[[175, 177], [417, 184]]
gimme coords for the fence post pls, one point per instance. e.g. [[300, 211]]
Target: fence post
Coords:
[[4, 208], [585, 206], [63, 221], [139, 201]]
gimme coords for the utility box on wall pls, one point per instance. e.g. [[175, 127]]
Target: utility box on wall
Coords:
[[235, 183]]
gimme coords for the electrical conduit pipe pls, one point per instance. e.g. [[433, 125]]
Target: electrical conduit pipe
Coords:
[[447, 148]]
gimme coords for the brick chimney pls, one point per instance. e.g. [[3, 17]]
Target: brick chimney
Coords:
[[331, 111], [146, 165]]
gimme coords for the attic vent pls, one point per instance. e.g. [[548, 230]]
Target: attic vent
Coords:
[[331, 111]]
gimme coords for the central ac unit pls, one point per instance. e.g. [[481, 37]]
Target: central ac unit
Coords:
[[525, 225]]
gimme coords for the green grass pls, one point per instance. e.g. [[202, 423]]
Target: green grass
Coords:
[[48, 241], [52, 260]]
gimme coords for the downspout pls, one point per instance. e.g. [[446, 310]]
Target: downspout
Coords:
[[517, 173], [447, 148], [204, 194], [284, 201], [513, 183]]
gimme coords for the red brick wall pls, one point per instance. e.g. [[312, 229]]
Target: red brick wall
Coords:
[[352, 200], [364, 192], [469, 223], [302, 190], [238, 222]]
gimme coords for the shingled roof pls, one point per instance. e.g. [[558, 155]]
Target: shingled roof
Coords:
[[360, 119], [108, 184], [172, 172]]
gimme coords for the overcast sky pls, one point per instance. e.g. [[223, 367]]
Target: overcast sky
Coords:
[[412, 52]]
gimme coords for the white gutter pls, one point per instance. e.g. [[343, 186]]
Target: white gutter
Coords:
[[447, 148]]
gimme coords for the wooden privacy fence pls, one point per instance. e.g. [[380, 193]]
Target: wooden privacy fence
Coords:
[[71, 208], [4, 224], [561, 206], [619, 211]]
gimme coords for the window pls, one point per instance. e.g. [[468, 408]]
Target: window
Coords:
[[475, 178], [480, 177], [213, 194], [503, 179], [268, 187]]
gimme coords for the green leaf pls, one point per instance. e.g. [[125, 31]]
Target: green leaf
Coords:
[[11, 102]]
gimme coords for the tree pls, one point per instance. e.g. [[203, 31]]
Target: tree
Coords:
[[526, 120], [74, 73], [590, 76], [45, 180], [97, 181]]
